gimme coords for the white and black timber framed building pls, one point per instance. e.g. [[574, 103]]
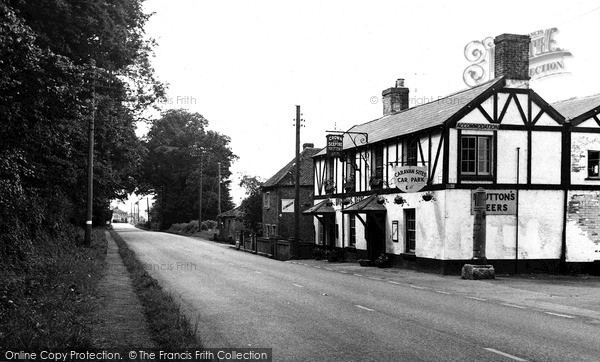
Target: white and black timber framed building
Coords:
[[403, 183]]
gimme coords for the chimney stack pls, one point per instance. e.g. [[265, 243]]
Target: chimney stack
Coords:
[[308, 145], [395, 99], [511, 56]]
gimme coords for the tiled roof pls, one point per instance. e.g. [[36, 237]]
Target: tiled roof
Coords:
[[236, 212], [369, 204], [574, 107], [323, 207], [306, 171], [420, 117]]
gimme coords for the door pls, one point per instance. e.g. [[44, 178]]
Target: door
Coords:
[[375, 235], [329, 231]]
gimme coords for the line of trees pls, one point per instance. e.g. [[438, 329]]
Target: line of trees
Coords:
[[182, 152], [61, 63]]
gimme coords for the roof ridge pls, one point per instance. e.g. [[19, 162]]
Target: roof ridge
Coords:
[[429, 103], [305, 155], [576, 98]]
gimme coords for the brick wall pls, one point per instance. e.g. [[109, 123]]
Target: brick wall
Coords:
[[583, 226], [285, 221], [584, 210], [394, 100], [511, 56]]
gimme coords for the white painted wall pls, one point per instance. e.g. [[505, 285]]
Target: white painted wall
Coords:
[[546, 150], [508, 141], [452, 159], [435, 142], [430, 223], [540, 227], [541, 220]]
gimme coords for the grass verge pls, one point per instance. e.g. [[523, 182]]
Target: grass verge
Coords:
[[47, 299], [169, 327]]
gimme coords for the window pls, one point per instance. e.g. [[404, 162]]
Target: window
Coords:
[[593, 164], [329, 182], [378, 169], [352, 241], [376, 181], [410, 223], [329, 168], [267, 200], [411, 153], [350, 182], [320, 233], [476, 156]]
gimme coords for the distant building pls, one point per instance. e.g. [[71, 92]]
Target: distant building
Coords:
[[403, 183], [119, 215], [231, 224], [278, 198]]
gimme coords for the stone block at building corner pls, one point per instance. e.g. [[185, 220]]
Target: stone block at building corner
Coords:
[[470, 271]]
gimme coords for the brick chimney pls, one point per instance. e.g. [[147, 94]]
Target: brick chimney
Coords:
[[395, 99], [308, 145], [511, 56]]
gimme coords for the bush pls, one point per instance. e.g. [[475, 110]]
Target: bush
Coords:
[[209, 224], [191, 227], [177, 228]]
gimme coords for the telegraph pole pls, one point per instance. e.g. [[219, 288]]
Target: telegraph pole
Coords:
[[90, 178], [219, 193], [295, 245], [200, 195]]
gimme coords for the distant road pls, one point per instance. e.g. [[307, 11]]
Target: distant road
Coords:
[[317, 314]]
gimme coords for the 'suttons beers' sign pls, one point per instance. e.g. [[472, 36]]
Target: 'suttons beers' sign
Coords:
[[498, 202], [408, 178]]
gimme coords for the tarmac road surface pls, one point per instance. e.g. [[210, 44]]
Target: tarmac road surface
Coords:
[[317, 311]]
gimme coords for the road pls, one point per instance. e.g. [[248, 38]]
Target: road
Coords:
[[312, 313]]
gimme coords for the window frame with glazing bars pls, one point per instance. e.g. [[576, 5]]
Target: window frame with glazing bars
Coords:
[[410, 230], [352, 230], [476, 172], [593, 168]]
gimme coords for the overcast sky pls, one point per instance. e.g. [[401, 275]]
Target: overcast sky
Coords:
[[245, 65]]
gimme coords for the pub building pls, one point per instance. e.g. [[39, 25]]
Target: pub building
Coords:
[[402, 185]]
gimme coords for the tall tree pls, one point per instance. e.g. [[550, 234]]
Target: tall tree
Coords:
[[178, 147], [61, 63], [252, 205]]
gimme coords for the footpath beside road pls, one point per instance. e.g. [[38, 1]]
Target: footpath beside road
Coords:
[[566, 295], [121, 317]]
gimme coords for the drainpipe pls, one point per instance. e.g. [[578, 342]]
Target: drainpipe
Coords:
[[517, 218]]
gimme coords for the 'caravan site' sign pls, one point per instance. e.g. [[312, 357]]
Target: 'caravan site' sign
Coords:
[[408, 178]]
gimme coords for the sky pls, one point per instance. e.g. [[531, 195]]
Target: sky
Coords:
[[245, 65]]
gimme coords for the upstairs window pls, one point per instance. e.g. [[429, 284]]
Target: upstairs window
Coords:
[[476, 156], [267, 200], [376, 181], [350, 179], [411, 153], [594, 164]]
